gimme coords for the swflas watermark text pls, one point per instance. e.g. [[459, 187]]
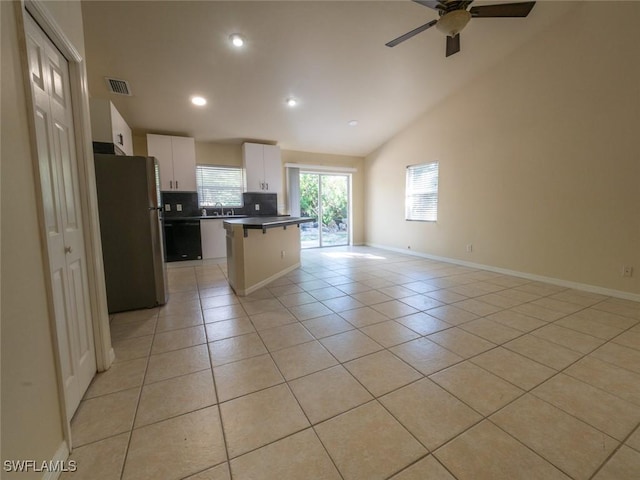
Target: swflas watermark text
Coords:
[[39, 466]]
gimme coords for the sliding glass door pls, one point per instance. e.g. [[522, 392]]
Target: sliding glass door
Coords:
[[325, 197]]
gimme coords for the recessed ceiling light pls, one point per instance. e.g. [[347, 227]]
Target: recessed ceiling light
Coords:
[[353, 123], [291, 102], [199, 101], [236, 40]]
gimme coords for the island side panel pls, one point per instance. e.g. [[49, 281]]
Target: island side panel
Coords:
[[258, 258], [263, 254], [235, 258]]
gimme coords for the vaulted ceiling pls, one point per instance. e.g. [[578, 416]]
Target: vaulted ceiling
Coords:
[[329, 55]]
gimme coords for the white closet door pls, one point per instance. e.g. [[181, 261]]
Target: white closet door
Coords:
[[63, 220]]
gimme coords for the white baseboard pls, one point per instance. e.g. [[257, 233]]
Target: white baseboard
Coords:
[[111, 355], [529, 276], [60, 457], [259, 285]]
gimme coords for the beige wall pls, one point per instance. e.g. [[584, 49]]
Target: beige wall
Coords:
[[228, 155], [31, 419], [261, 257], [539, 158], [139, 144]]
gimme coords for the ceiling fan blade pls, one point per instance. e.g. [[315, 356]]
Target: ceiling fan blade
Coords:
[[410, 34], [453, 45], [521, 9], [435, 4]]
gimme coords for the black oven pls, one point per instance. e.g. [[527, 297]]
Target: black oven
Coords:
[[182, 239]]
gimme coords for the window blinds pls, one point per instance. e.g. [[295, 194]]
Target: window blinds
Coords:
[[219, 185], [421, 201]]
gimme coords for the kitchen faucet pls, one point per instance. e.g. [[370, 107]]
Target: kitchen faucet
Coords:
[[215, 205]]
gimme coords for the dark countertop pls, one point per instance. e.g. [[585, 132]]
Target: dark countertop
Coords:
[[208, 217], [268, 222], [264, 223]]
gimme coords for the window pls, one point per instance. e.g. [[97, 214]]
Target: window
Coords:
[[219, 185], [421, 201]]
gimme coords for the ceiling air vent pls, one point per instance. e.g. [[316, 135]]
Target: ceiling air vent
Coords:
[[121, 87]]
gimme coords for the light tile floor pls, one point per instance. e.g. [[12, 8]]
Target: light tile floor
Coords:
[[367, 364]]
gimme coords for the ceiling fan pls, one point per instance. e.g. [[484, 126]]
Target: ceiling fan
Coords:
[[454, 16]]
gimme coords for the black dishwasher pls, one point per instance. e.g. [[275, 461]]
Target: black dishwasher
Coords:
[[182, 239]]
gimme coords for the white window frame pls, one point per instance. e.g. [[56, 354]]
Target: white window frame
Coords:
[[421, 192], [202, 197]]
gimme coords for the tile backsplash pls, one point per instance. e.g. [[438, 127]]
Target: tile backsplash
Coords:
[[267, 204], [185, 204], [180, 204]]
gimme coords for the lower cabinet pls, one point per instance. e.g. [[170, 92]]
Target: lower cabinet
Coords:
[[214, 242]]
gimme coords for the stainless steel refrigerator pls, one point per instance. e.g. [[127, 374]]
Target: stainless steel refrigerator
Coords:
[[131, 230]]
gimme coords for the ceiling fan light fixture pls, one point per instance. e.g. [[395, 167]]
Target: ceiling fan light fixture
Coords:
[[453, 22]]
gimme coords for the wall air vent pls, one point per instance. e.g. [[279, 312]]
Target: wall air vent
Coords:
[[121, 87]]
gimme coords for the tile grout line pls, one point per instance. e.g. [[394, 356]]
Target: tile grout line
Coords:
[[215, 389], [616, 450], [524, 391], [384, 349], [374, 398], [135, 413], [286, 383]]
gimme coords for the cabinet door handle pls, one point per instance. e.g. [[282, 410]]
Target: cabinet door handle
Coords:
[[176, 184], [170, 184], [67, 249], [267, 187], [120, 139]]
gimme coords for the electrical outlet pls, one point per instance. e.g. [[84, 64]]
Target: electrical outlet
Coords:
[[167, 207], [469, 248], [178, 207], [257, 206], [627, 271]]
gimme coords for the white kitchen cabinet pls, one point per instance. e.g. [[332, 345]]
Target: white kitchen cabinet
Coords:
[[177, 160], [214, 238], [108, 126], [263, 168], [159, 146]]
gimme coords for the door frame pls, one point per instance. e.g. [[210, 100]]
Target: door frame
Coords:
[[87, 188], [336, 171]]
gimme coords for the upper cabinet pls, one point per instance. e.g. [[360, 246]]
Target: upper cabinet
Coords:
[[263, 168], [108, 126], [177, 160]]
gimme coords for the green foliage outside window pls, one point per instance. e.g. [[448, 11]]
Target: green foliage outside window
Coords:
[[334, 198]]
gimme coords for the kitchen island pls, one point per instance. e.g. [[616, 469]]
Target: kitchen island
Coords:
[[261, 249]]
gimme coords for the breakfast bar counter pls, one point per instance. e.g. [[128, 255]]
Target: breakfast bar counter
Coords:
[[261, 249]]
